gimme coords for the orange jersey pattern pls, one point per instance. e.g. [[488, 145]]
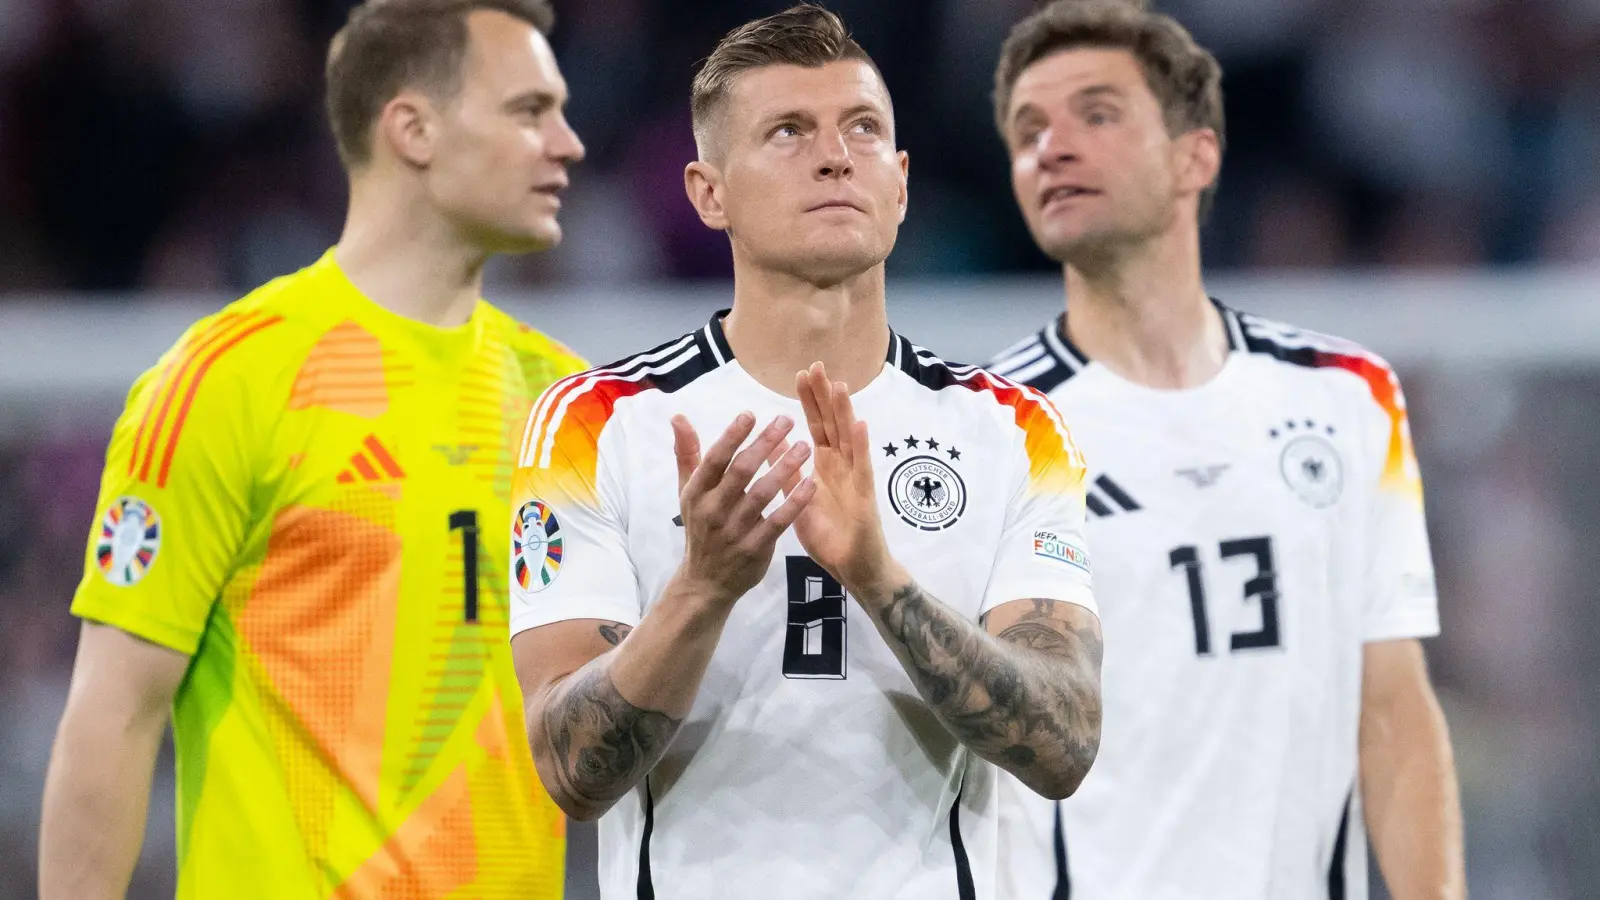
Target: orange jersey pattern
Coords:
[[1055, 464], [296, 496], [1400, 472]]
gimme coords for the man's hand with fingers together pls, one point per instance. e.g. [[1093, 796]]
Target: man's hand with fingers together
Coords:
[[840, 529]]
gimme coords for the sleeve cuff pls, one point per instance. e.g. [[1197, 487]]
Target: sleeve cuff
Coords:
[[173, 637], [1079, 594], [1407, 625], [529, 617]]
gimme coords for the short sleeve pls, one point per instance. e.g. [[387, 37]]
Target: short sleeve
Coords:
[[1042, 552], [1401, 600], [569, 547], [174, 506]]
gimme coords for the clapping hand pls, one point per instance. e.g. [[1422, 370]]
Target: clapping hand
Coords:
[[840, 527]]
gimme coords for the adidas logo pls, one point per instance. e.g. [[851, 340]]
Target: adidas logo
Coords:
[[1106, 498], [373, 463]]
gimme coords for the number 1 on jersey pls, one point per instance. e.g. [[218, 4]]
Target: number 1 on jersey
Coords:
[[814, 646], [1263, 586], [1189, 559], [467, 521]]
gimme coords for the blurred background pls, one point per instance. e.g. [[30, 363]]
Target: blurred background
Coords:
[[1419, 175]]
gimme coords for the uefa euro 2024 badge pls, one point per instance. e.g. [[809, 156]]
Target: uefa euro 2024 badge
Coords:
[[536, 546], [130, 539], [924, 487]]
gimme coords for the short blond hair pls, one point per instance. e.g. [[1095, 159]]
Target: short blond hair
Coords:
[[805, 35]]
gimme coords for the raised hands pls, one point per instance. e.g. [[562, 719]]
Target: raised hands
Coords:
[[840, 527], [728, 542]]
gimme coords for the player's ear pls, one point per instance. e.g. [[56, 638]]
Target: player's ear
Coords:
[[409, 127], [703, 183], [905, 178], [1200, 159]]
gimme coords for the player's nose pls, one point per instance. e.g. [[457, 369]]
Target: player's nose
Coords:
[[833, 157], [1057, 145], [563, 143]]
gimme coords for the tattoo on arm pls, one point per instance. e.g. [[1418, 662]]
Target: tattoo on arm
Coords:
[[1027, 700], [1037, 630], [602, 744]]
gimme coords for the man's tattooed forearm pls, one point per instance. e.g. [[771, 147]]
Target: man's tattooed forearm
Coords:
[[1029, 701], [602, 744], [1041, 629]]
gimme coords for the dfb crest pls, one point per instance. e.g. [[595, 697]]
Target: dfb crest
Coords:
[[926, 491], [1310, 462]]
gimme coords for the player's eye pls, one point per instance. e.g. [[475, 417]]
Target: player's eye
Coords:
[[866, 126], [1099, 117], [788, 129]]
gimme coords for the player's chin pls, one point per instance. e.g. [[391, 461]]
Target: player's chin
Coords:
[[860, 245], [532, 238], [1066, 243], [834, 261]]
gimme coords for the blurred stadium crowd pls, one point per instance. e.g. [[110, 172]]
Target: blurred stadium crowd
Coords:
[[179, 144]]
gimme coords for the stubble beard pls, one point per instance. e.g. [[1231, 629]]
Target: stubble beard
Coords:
[[829, 263], [1101, 250]]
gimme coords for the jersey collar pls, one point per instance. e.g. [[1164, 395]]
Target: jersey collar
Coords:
[[1054, 336], [714, 341]]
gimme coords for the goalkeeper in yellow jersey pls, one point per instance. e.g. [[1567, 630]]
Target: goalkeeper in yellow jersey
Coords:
[[289, 550]]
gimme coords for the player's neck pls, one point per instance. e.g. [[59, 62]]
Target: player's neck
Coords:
[[398, 252], [781, 324], [1146, 316]]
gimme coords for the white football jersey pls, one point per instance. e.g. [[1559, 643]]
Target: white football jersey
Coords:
[[1250, 535], [809, 766]]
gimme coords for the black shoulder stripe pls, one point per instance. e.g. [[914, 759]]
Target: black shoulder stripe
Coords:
[[1041, 362], [682, 374], [1254, 342], [929, 370], [1311, 350], [1047, 381], [667, 367], [1022, 351], [633, 361], [1297, 346]]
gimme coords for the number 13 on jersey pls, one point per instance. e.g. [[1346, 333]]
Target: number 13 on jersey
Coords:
[[1261, 587]]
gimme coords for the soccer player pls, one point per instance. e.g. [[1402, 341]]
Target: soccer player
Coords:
[[1261, 559], [288, 551], [791, 685]]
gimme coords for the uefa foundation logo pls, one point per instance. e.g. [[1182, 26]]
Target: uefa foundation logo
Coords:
[[130, 538], [924, 490], [536, 546]]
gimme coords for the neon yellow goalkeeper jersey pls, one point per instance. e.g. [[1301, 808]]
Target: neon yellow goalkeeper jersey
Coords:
[[297, 495]]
